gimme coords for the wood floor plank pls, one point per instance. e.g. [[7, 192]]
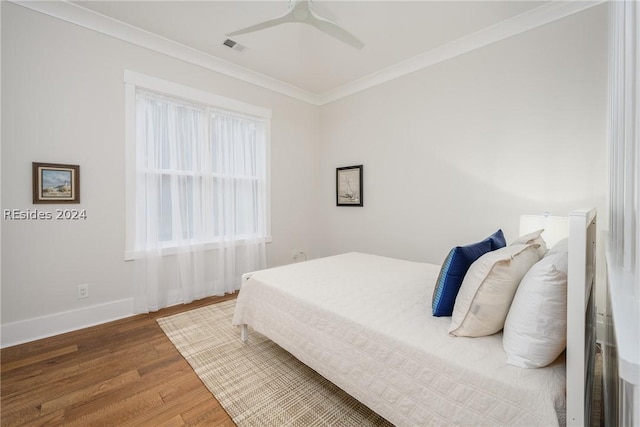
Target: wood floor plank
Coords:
[[53, 419], [176, 421], [6, 367], [208, 414], [89, 392], [49, 391], [152, 381], [118, 373], [32, 379], [123, 359], [73, 376], [118, 413], [173, 407], [20, 416]]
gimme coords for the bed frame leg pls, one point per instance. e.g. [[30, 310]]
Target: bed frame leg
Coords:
[[244, 332]]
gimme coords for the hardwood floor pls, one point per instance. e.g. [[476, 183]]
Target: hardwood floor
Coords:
[[121, 373]]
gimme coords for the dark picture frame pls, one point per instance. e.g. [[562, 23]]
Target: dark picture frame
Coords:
[[349, 186], [55, 183]]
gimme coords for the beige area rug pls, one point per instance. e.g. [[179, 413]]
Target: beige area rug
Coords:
[[259, 383]]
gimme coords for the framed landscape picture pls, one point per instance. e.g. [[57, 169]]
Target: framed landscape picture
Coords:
[[56, 183], [349, 186]]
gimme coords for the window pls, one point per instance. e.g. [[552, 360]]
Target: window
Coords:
[[197, 171]]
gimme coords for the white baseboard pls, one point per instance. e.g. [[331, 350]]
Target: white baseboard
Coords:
[[67, 321]]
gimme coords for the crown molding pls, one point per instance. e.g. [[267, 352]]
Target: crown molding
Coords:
[[541, 15], [86, 18]]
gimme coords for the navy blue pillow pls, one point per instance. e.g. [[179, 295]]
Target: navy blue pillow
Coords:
[[452, 273], [497, 240]]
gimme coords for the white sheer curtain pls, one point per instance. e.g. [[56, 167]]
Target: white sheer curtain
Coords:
[[624, 134], [200, 219], [622, 388]]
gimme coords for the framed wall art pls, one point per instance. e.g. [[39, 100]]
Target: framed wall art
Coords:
[[349, 186], [56, 183]]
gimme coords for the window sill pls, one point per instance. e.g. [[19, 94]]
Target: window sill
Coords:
[[168, 250]]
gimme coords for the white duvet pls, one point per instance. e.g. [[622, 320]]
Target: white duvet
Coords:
[[364, 322]]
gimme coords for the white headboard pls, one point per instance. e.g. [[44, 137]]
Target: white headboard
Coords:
[[581, 332], [555, 227]]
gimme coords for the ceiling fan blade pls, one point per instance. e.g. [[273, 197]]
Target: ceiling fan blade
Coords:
[[334, 30], [287, 17], [301, 11]]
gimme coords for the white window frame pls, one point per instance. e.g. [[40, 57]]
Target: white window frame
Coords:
[[133, 80]]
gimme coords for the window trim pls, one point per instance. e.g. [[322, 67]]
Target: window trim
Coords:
[[133, 80]]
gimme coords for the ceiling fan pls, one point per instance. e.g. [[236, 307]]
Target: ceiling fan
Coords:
[[302, 11]]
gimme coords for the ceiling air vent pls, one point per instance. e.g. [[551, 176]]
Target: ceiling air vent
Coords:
[[234, 45]]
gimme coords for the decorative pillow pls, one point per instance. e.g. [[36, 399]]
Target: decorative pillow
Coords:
[[535, 331], [561, 246], [533, 238], [497, 240], [487, 290], [453, 269]]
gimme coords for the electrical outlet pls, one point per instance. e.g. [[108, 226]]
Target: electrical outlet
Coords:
[[298, 254], [83, 291]]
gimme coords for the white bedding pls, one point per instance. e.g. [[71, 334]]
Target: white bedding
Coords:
[[364, 322]]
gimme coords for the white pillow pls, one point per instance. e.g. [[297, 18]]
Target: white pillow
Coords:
[[534, 237], [561, 246], [488, 288], [535, 332]]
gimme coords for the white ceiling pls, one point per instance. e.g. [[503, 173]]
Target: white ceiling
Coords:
[[299, 60]]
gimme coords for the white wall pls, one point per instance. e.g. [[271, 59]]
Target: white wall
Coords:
[[63, 102], [453, 152]]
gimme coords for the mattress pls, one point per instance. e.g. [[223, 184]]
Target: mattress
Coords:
[[364, 322]]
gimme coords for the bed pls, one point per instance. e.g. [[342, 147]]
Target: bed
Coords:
[[364, 322]]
